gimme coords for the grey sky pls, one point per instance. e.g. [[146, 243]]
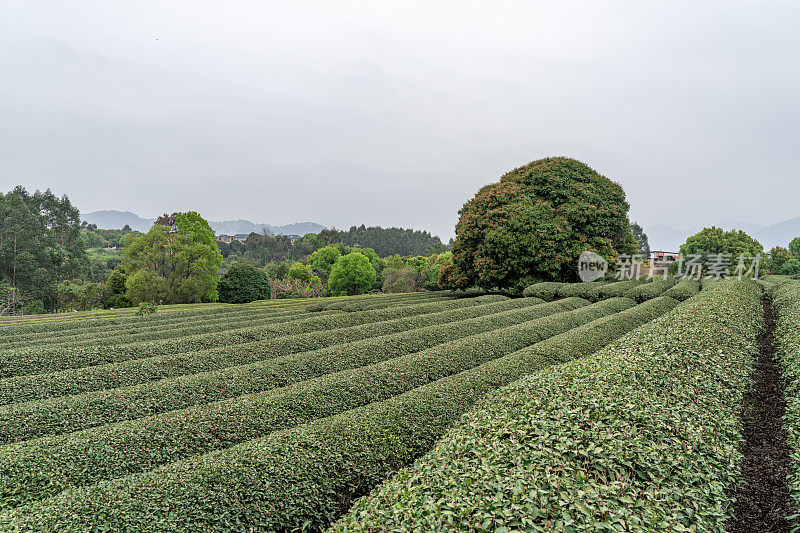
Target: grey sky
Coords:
[[387, 114]]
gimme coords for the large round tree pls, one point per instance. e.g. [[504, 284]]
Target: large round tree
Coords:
[[534, 223]]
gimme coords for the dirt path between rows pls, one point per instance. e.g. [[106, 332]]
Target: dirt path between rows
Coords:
[[763, 501]]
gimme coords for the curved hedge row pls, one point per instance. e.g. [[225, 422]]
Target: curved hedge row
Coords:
[[339, 303], [650, 290], [611, 290], [642, 436], [786, 305], [61, 327], [72, 413], [130, 332], [300, 478], [36, 387], [42, 467], [122, 334], [590, 337], [579, 290], [546, 290], [683, 290], [38, 361], [111, 339]]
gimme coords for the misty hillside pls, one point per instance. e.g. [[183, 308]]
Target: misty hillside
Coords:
[[117, 219], [779, 234]]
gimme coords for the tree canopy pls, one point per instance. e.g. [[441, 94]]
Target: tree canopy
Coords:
[[642, 244], [40, 243], [715, 240], [243, 283], [533, 224], [352, 274], [175, 262]]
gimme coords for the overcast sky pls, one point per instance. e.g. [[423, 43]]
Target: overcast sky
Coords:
[[394, 114]]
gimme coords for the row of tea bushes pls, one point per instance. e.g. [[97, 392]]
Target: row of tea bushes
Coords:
[[134, 371], [48, 465], [113, 338], [299, 478], [40, 360], [651, 290], [642, 436], [786, 305], [684, 289], [29, 420]]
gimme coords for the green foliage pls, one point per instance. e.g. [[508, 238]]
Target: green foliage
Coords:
[[263, 475], [91, 408], [34, 307], [642, 436], [791, 267], [243, 283], [402, 280], [684, 289], [642, 244], [324, 258], [715, 240], [787, 343], [579, 290], [778, 255], [146, 308], [70, 460], [611, 290], [534, 223], [352, 274], [546, 290], [794, 247], [302, 273], [650, 290], [40, 244], [77, 295], [166, 266], [55, 358]]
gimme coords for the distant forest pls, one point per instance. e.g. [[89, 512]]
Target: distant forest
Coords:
[[261, 249], [51, 261]]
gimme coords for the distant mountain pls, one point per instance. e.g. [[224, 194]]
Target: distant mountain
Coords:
[[779, 234], [118, 219]]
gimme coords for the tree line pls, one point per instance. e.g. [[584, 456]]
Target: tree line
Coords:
[[51, 261]]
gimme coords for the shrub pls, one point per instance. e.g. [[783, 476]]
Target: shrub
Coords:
[[547, 290], [269, 477], [611, 290], [302, 273], [579, 290], [243, 283], [39, 360], [650, 290], [34, 307], [791, 267], [787, 343], [684, 289], [19, 421], [89, 456], [146, 308], [642, 436], [402, 280]]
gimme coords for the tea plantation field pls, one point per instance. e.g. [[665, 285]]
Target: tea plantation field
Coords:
[[591, 406]]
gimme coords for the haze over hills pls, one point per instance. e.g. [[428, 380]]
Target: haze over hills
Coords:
[[117, 219], [669, 239], [661, 237]]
